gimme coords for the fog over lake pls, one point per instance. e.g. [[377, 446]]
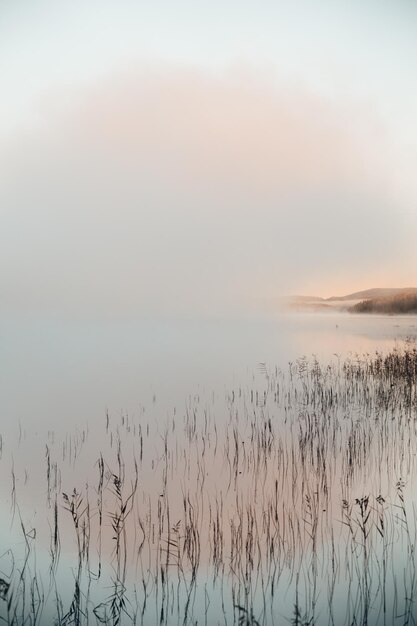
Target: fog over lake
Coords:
[[180, 441]]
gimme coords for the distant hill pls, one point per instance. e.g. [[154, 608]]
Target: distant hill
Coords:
[[306, 299], [388, 300], [405, 302], [369, 294], [308, 305]]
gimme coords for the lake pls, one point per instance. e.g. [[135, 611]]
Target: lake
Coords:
[[235, 471], [55, 370]]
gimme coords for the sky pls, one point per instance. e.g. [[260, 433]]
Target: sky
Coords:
[[176, 157]]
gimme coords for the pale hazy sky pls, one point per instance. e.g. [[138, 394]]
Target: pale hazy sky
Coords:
[[175, 156]]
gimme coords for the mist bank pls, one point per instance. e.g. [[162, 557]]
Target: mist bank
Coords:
[[172, 191]]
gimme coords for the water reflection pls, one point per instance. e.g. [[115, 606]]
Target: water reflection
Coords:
[[54, 371], [279, 494]]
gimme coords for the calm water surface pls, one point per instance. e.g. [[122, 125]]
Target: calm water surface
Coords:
[[212, 475], [53, 371]]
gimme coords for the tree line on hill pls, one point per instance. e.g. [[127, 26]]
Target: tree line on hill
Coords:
[[402, 303]]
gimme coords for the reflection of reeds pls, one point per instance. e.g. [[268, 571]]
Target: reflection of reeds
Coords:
[[291, 503]]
